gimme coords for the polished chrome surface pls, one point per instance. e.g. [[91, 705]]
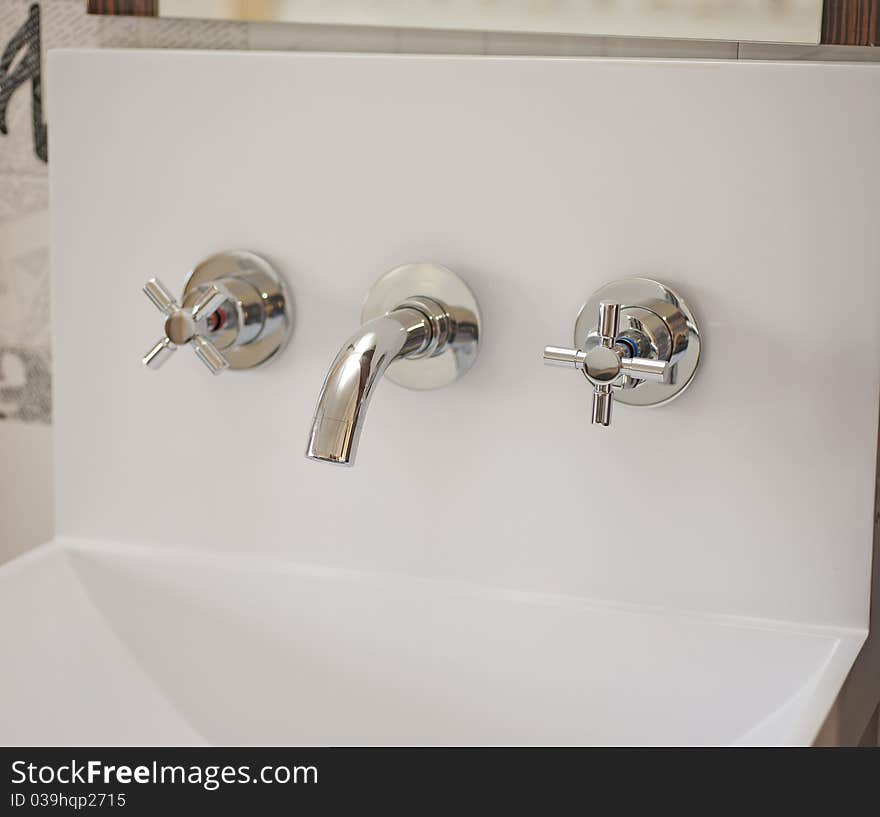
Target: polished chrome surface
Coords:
[[186, 324], [421, 315], [609, 322], [345, 396], [602, 364], [458, 323], [657, 324], [236, 313], [566, 357], [643, 349]]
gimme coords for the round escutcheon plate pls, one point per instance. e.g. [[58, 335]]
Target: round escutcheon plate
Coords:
[[645, 302], [269, 290], [445, 287]]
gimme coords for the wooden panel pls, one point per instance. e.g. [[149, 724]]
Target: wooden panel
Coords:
[[871, 738], [851, 22], [137, 8]]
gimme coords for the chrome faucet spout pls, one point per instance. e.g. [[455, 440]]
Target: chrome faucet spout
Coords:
[[360, 364], [421, 315]]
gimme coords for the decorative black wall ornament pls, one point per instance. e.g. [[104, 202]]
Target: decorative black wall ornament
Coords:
[[25, 42]]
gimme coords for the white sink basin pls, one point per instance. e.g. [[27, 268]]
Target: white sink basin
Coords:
[[125, 645]]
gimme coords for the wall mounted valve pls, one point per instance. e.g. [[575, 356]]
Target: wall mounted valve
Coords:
[[235, 312], [636, 341]]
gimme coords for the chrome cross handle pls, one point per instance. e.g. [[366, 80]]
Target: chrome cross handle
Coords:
[[235, 311], [607, 361], [187, 325]]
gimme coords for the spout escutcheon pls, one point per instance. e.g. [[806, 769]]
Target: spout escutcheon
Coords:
[[459, 324]]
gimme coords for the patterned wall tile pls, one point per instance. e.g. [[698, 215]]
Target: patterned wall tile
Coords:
[[814, 53], [118, 32], [30, 290], [569, 45], [428, 41], [17, 154], [25, 370], [170, 33], [21, 194], [656, 48], [306, 37], [24, 280], [17, 146], [25, 384], [66, 25]]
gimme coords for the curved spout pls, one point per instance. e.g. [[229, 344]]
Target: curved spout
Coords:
[[349, 385]]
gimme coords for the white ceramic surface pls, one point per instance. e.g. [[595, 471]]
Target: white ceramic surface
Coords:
[[537, 181], [159, 646], [742, 185]]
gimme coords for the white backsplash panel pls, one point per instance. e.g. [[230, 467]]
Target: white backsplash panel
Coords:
[[745, 186]]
